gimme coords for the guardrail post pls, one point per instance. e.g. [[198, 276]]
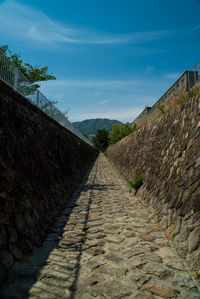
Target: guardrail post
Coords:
[[37, 98], [16, 76], [188, 80]]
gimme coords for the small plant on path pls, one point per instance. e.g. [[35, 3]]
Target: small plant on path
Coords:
[[136, 181]]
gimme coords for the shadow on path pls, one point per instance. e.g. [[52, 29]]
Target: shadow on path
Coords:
[[29, 274]]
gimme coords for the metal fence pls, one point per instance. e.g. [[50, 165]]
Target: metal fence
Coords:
[[194, 75], [14, 78], [187, 80]]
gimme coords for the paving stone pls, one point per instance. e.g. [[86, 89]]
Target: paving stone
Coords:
[[94, 263], [128, 253], [147, 237], [160, 290], [115, 239], [129, 234], [142, 295], [174, 263], [93, 279], [183, 280], [113, 257], [54, 274], [104, 245], [138, 278], [156, 269], [113, 289], [189, 294], [152, 257], [95, 251], [164, 252], [114, 271]]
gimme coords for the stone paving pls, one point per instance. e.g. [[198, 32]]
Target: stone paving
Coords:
[[104, 245]]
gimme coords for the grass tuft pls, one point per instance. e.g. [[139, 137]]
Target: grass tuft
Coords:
[[136, 181]]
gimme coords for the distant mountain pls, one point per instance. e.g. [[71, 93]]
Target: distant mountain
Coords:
[[91, 126]]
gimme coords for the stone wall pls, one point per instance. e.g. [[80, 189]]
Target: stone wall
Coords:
[[168, 156], [41, 163]]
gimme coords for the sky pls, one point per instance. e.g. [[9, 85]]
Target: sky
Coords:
[[111, 58]]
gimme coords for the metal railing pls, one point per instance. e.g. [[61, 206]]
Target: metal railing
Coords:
[[188, 79], [194, 75], [14, 78]]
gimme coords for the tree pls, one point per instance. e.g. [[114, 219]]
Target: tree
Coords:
[[119, 131], [101, 140], [33, 73]]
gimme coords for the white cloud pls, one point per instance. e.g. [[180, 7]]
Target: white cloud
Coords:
[[196, 28], [24, 22], [104, 102], [173, 76], [149, 69], [114, 99], [102, 84]]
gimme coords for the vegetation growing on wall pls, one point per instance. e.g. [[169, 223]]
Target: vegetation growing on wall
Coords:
[[120, 131], [177, 99], [136, 181]]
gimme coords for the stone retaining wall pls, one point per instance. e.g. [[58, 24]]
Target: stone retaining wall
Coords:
[[168, 156], [41, 163]]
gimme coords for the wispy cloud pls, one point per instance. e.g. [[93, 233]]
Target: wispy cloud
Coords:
[[27, 23], [173, 76], [116, 99], [89, 83], [196, 28], [149, 69], [103, 102]]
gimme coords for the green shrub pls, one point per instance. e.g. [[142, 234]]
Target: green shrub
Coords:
[[120, 131], [191, 93], [136, 181], [193, 210], [173, 236], [147, 199], [161, 108]]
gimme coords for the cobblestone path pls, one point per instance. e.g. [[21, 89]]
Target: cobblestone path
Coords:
[[104, 245]]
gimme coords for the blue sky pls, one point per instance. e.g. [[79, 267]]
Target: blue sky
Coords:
[[111, 58]]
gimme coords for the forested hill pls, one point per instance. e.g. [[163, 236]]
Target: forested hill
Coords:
[[91, 126]]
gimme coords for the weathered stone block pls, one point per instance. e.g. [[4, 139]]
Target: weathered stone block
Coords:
[[6, 259], [194, 239]]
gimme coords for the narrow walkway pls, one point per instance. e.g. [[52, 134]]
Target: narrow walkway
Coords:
[[104, 245]]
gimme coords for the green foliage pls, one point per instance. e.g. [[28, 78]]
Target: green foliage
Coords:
[[147, 199], [101, 140], [192, 92], [136, 181], [193, 210], [173, 236], [161, 108], [120, 131], [85, 135], [91, 126], [33, 73]]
